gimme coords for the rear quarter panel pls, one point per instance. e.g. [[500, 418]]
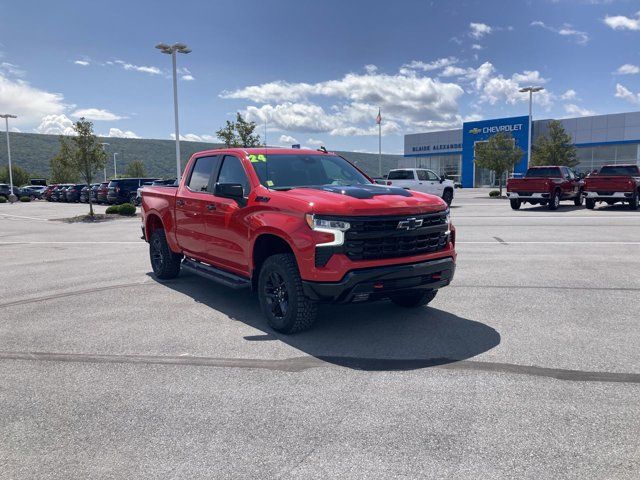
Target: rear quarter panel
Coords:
[[160, 202]]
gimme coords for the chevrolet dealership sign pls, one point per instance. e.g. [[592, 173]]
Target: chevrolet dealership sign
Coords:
[[516, 127]]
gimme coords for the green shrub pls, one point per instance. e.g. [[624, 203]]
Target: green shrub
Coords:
[[494, 193], [127, 209], [112, 209], [25, 199], [3, 200]]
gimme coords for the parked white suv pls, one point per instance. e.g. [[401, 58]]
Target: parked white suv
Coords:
[[422, 180]]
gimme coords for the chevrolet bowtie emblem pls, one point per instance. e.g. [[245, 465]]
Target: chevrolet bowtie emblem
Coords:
[[410, 224]]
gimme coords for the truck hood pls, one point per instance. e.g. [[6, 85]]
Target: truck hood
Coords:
[[364, 200]]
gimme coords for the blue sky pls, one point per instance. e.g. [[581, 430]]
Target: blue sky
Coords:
[[316, 71]]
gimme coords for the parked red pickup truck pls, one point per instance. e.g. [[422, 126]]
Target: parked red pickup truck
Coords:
[[299, 227], [614, 183], [547, 185]]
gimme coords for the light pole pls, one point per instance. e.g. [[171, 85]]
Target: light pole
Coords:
[[104, 148], [172, 50], [6, 117], [531, 91], [115, 171]]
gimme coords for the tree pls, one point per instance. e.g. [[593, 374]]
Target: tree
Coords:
[[499, 154], [239, 133], [20, 175], [60, 172], [136, 169], [556, 149], [83, 153]]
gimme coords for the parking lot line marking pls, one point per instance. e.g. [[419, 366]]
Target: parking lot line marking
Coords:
[[549, 287], [139, 242], [509, 242], [22, 216], [298, 364]]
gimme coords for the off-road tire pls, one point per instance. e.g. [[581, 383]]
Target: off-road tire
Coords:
[[413, 298], [165, 262], [515, 204], [633, 204], [554, 201], [300, 311]]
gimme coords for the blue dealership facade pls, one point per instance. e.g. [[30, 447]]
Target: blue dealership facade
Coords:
[[601, 139]]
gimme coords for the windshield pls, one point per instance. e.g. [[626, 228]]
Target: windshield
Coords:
[[623, 170], [400, 175], [283, 172], [550, 172]]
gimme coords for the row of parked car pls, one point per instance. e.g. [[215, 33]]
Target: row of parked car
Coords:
[[32, 191], [113, 192]]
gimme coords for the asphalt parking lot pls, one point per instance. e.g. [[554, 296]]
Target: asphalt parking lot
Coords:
[[527, 366]]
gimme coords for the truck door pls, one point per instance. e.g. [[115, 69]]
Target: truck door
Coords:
[[433, 182], [227, 224], [192, 201]]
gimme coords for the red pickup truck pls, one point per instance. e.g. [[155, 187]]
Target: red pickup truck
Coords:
[[547, 185], [299, 227], [614, 183]]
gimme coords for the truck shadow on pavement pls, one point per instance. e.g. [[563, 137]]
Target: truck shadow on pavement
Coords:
[[368, 336]]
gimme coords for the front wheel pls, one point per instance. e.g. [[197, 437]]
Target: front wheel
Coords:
[[554, 201], [413, 298], [165, 262], [578, 200], [282, 299], [633, 204], [515, 203]]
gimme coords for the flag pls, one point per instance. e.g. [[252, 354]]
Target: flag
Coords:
[[379, 118]]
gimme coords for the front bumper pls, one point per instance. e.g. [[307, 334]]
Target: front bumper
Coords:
[[377, 282]]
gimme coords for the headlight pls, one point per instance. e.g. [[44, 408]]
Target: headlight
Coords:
[[324, 225], [447, 219]]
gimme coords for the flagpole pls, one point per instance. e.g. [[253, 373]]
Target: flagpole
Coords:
[[379, 145]]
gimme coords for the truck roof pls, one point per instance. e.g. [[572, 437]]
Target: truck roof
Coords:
[[267, 151]]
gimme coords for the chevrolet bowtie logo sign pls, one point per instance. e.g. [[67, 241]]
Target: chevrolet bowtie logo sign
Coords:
[[410, 224], [475, 131]]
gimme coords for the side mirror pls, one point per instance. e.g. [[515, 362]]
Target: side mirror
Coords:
[[233, 191], [442, 178]]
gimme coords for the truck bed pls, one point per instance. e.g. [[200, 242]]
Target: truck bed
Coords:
[[533, 184], [617, 183]]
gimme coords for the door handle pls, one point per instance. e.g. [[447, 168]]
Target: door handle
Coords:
[[179, 203], [211, 207]]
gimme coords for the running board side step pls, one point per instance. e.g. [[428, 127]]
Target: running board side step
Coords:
[[227, 279]]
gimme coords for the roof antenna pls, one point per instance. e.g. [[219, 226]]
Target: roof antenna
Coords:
[[323, 149], [266, 164]]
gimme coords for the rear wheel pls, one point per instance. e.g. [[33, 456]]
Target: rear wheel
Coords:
[[554, 201], [165, 262], [282, 299], [579, 199], [447, 196], [633, 204], [515, 203], [413, 298], [590, 203]]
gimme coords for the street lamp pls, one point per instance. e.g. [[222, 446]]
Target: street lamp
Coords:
[[104, 148], [115, 171], [172, 50], [6, 117], [531, 91]]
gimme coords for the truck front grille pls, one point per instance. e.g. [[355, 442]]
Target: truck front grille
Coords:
[[376, 238]]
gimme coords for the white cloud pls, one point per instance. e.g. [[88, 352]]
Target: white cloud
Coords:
[[56, 125], [11, 69], [315, 142], [479, 30], [625, 94], [96, 114], [627, 69], [529, 76], [192, 137], [452, 71], [428, 66], [83, 63], [30, 103], [475, 46], [581, 38], [185, 74], [117, 133], [370, 69], [287, 140], [620, 22], [569, 95], [139, 68], [187, 78], [575, 110]]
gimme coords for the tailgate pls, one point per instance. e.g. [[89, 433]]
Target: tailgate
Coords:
[[532, 185], [608, 184]]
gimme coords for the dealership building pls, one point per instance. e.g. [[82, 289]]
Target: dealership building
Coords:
[[599, 139]]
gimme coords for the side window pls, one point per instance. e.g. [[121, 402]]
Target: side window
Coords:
[[201, 174], [233, 172], [433, 176], [422, 175]]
